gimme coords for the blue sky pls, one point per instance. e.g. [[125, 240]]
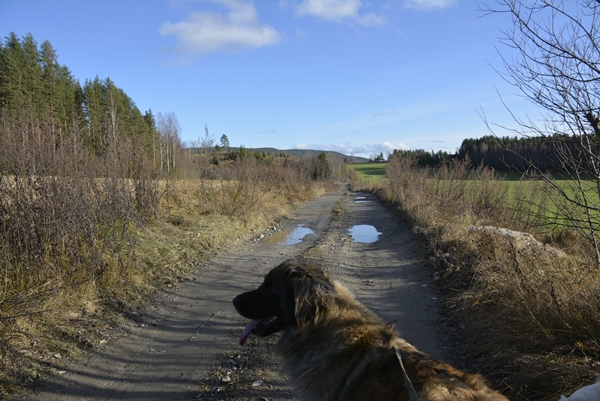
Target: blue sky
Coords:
[[359, 77]]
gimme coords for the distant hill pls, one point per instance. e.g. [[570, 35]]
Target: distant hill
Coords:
[[302, 152]]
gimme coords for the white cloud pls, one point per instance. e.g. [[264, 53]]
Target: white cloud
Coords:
[[237, 30], [426, 5], [365, 149], [338, 10], [329, 9]]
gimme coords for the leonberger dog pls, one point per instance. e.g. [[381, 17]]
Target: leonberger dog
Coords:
[[335, 349]]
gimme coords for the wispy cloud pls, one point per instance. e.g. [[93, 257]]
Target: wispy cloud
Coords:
[[391, 112], [268, 131], [338, 10], [236, 30], [427, 5]]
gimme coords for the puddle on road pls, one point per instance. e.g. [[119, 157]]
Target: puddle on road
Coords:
[[361, 199], [289, 236], [364, 233]]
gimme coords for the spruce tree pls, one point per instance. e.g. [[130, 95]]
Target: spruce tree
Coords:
[[32, 73], [12, 66]]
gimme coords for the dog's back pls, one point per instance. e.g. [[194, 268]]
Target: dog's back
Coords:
[[348, 355]]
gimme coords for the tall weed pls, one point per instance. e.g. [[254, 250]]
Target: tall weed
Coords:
[[529, 311], [65, 222], [85, 239]]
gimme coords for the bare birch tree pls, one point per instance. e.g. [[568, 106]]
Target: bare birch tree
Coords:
[[554, 61], [170, 144]]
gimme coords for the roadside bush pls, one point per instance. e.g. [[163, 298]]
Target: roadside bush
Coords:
[[86, 238], [529, 310], [65, 221]]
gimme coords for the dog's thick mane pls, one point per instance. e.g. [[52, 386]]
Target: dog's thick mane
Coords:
[[343, 317], [344, 324]]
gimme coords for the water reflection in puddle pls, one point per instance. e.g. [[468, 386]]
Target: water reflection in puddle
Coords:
[[361, 199], [289, 236], [364, 233]]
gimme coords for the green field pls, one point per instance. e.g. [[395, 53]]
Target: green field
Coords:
[[368, 171], [514, 187]]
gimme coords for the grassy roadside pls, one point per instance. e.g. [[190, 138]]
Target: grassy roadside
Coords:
[[527, 305], [366, 174], [195, 218]]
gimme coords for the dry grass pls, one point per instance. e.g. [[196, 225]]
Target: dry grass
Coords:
[[533, 317], [84, 240], [60, 314]]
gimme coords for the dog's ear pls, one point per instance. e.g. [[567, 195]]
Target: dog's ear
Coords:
[[314, 294]]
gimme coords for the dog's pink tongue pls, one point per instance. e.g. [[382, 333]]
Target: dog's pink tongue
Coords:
[[253, 323]]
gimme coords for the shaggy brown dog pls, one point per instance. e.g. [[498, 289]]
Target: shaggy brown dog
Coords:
[[333, 348]]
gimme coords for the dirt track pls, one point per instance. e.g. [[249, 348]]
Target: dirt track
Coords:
[[183, 345]]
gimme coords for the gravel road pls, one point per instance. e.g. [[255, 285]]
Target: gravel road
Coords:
[[183, 344]]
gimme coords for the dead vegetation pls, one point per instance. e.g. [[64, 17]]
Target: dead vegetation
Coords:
[[529, 315], [85, 239]]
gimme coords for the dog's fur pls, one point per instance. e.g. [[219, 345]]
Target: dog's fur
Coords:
[[587, 393], [333, 348]]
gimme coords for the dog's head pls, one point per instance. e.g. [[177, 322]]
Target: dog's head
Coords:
[[292, 295]]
